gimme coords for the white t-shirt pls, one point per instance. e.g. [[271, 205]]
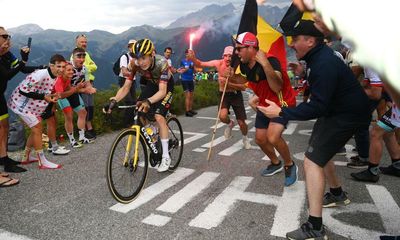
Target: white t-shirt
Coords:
[[373, 77], [123, 62], [39, 81]]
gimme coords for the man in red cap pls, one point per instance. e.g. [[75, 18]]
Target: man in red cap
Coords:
[[265, 78], [341, 106], [233, 95]]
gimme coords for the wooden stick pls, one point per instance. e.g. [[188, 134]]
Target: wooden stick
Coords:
[[216, 122]]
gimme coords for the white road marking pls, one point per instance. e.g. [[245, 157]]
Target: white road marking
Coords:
[[306, 132], [387, 207], [12, 236], [216, 211], [254, 115], [233, 149], [219, 125], [288, 213], [266, 158], [199, 150], [237, 128], [215, 143], [154, 190], [156, 220], [253, 129], [196, 136], [186, 194], [291, 127]]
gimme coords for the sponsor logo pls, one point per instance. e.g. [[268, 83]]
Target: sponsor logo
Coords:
[[149, 140]]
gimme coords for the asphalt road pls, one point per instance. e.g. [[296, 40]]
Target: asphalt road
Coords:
[[225, 198]]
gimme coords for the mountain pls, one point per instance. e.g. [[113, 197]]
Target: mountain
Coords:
[[26, 29], [209, 13], [215, 29]]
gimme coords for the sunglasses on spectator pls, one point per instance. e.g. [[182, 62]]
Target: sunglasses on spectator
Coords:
[[80, 55], [81, 35], [6, 36], [240, 48]]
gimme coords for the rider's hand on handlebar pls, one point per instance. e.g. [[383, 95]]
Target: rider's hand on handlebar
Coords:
[[107, 109], [143, 106]]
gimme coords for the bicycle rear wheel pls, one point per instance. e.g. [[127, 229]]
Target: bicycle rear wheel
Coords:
[[125, 181], [175, 144]]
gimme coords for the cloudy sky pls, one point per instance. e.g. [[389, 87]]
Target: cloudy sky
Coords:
[[114, 16]]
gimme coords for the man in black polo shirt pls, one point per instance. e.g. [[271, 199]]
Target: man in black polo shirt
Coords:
[[341, 106]]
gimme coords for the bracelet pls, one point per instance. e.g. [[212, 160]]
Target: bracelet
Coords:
[[148, 101]]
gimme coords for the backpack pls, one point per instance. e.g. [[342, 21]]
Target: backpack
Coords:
[[116, 68], [16, 137]]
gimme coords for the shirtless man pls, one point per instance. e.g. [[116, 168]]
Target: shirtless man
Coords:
[[233, 95]]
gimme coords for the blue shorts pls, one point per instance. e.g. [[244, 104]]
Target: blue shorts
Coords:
[[74, 102], [262, 121], [188, 86]]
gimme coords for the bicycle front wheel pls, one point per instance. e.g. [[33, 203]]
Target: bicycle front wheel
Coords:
[[175, 144], [125, 179]]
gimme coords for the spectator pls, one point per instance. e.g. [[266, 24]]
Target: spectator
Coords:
[[186, 70], [30, 99], [130, 98], [341, 106], [88, 99]]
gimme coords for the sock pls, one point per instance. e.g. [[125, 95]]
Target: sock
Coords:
[[276, 164], [71, 137], [316, 222], [164, 143], [81, 134], [54, 145], [373, 168], [43, 161], [336, 191]]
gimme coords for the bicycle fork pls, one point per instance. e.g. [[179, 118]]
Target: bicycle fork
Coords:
[[129, 145]]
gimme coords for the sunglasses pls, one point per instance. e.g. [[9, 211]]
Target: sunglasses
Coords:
[[6, 36], [80, 55], [240, 48]]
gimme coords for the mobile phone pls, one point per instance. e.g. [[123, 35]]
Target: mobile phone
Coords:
[[29, 42]]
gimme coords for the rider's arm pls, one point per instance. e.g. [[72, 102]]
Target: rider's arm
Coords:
[[123, 91], [162, 92]]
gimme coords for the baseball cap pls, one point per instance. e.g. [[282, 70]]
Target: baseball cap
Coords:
[[228, 50], [304, 27], [132, 41], [247, 39]]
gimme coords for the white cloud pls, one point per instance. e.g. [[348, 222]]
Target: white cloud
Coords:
[[110, 15]]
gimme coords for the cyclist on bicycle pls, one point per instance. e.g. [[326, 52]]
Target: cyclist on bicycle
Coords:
[[156, 97]]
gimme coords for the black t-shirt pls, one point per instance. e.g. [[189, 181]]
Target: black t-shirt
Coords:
[[257, 73]]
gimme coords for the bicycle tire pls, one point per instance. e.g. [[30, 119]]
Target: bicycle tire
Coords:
[[117, 184], [175, 144]]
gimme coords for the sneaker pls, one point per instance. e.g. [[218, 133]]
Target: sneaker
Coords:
[[331, 200], [189, 114], [76, 144], [342, 152], [291, 175], [392, 169], [164, 165], [356, 162], [272, 169], [228, 129], [193, 112], [61, 151], [246, 143], [366, 176], [90, 134], [306, 231], [85, 141]]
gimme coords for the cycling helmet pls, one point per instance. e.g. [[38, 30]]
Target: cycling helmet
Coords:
[[143, 47]]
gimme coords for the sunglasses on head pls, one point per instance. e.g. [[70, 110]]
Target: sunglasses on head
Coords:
[[6, 36], [81, 35], [80, 55]]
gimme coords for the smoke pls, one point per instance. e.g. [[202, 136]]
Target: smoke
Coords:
[[226, 25]]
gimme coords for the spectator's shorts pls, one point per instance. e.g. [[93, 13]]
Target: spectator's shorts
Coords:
[[263, 121], [234, 99], [386, 121], [188, 86], [73, 102], [3, 108]]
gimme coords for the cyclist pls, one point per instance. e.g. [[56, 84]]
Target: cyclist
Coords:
[[156, 97]]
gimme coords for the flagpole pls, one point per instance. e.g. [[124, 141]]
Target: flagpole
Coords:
[[216, 122]]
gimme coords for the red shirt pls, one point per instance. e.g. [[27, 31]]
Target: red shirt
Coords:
[[61, 84]]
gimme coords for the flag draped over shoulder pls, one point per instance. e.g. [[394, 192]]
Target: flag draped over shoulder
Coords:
[[270, 41]]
